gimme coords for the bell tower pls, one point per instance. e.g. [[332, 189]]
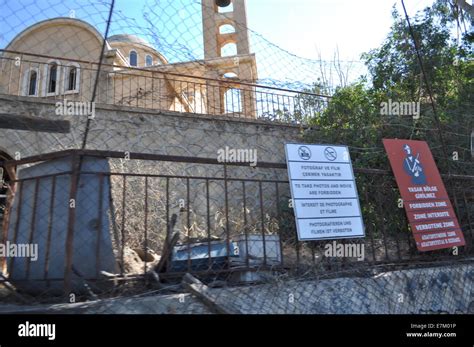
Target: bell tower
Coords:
[[217, 13], [225, 22]]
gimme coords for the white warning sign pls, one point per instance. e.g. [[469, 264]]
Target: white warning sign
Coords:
[[324, 192]]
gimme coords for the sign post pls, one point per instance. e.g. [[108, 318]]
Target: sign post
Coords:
[[429, 211], [324, 192]]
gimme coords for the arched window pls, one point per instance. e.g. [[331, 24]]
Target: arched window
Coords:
[[232, 75], [228, 50], [133, 58], [72, 78], [30, 82], [148, 60], [226, 29], [33, 83], [52, 78]]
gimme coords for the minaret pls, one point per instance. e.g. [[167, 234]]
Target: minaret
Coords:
[[212, 20]]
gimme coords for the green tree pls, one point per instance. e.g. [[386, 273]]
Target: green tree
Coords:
[[353, 115]]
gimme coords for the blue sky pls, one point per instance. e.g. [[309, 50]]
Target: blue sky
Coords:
[[305, 28]]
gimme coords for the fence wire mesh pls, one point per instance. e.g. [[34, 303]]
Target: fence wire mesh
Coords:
[[110, 127]]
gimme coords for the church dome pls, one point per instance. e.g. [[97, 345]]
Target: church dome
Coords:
[[129, 39]]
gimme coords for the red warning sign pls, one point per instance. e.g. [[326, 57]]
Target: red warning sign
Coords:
[[430, 213]]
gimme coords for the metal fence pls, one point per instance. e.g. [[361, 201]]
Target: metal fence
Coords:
[[104, 219], [156, 87]]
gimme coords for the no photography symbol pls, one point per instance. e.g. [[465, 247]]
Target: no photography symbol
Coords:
[[330, 153]]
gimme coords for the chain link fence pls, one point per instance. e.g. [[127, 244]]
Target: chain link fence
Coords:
[[122, 208], [108, 226]]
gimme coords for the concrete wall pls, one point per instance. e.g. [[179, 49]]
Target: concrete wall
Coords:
[[447, 289], [136, 130], [131, 129]]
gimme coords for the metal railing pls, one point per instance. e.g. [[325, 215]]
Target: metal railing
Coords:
[[156, 87], [196, 215]]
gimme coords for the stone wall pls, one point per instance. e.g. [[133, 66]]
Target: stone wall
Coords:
[[130, 129], [137, 130], [447, 289], [120, 128]]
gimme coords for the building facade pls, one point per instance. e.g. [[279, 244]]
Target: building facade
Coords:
[[59, 58]]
